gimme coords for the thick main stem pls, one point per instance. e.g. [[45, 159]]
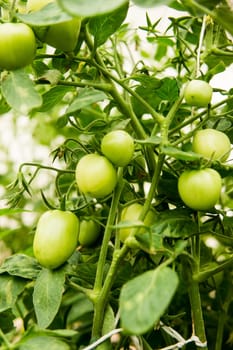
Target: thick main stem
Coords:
[[197, 316]]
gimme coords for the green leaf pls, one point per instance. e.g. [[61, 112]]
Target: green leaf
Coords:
[[178, 154], [19, 91], [47, 295], [85, 98], [102, 27], [151, 3], [49, 14], [86, 9], [145, 298], [53, 97], [11, 287], [175, 223], [224, 15], [169, 90], [21, 265], [43, 342]]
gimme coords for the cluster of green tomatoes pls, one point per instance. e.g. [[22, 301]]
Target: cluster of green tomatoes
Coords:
[[96, 176]]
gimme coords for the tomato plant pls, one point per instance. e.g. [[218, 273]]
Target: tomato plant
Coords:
[[200, 189], [198, 93], [55, 238], [14, 36], [212, 144], [120, 132], [95, 175], [118, 147], [89, 231]]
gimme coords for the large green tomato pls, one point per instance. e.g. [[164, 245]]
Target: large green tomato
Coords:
[[95, 175], [89, 231], [132, 213], [212, 144], [17, 45], [118, 146], [200, 189], [56, 238], [62, 36], [198, 93]]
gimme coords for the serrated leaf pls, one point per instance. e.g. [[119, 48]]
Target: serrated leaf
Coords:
[[47, 295], [19, 91], [86, 97], [168, 91], [176, 223], [144, 299], [21, 265], [85, 9], [11, 287], [102, 27], [179, 154], [49, 14]]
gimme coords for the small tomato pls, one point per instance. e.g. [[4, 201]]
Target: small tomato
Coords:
[[212, 144], [200, 189], [118, 147], [198, 93], [95, 175], [89, 231]]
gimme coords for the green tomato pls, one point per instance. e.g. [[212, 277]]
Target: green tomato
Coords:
[[17, 45], [62, 36], [95, 175], [200, 189], [212, 144], [89, 231], [118, 147], [56, 238], [198, 93], [132, 213]]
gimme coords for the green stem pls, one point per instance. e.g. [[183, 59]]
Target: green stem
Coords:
[[194, 292], [108, 232], [104, 295], [204, 275], [197, 316], [5, 340]]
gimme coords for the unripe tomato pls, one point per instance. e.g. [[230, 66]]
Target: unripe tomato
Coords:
[[95, 175], [62, 36], [89, 231], [198, 93], [212, 144], [118, 147], [200, 189], [17, 45], [132, 213], [56, 238]]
